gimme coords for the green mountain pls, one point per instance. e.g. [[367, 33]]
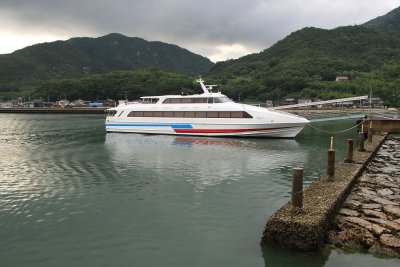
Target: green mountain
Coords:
[[79, 57], [306, 63], [389, 22]]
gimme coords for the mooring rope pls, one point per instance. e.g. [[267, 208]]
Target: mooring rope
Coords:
[[342, 131]]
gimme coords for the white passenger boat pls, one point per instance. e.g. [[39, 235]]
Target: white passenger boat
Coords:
[[206, 114]]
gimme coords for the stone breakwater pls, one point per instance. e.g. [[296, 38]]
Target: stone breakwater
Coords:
[[305, 229], [370, 217]]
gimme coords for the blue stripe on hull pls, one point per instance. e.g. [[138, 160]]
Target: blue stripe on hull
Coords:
[[174, 126]]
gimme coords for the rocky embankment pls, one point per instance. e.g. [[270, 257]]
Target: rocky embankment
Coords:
[[370, 217]]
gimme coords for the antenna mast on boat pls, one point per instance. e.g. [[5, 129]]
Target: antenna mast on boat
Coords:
[[206, 88]]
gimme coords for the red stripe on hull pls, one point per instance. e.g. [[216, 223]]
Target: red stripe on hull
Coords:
[[226, 130]]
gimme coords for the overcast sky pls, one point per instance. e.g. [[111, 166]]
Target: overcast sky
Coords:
[[217, 29]]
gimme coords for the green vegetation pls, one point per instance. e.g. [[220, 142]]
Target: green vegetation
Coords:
[[117, 85], [302, 65]]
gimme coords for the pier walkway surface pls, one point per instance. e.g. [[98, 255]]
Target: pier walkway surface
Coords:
[[370, 217]]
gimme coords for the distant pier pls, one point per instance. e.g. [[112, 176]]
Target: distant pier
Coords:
[[97, 110]]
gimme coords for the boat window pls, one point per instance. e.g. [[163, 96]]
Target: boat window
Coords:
[[247, 115], [157, 113], [189, 114], [195, 100], [150, 100], [222, 99], [135, 114], [201, 114], [168, 114], [224, 114], [240, 114], [178, 114], [237, 114], [187, 100], [199, 100], [175, 100], [212, 114]]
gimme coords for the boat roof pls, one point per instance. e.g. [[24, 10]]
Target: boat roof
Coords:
[[181, 96], [207, 91]]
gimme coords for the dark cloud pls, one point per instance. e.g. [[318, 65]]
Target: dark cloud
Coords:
[[206, 27]]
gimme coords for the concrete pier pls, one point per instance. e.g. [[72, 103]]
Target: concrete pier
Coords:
[[55, 110], [306, 229], [381, 125]]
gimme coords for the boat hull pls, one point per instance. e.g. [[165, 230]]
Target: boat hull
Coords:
[[276, 130]]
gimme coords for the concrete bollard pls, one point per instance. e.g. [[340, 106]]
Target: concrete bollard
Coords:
[[349, 156], [330, 169], [297, 187], [361, 140]]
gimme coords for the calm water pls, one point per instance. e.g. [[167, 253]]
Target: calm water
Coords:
[[72, 195]]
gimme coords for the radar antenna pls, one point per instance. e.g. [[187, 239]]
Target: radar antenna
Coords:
[[206, 88]]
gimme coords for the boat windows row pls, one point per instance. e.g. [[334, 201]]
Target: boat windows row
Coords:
[[191, 114], [197, 100]]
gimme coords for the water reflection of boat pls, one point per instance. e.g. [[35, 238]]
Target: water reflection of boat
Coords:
[[207, 141], [202, 160]]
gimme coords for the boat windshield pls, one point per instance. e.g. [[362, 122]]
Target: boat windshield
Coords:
[[150, 100], [222, 99]]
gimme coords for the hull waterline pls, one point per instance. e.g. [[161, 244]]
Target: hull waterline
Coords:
[[263, 130]]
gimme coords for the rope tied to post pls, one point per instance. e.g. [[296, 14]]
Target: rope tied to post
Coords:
[[342, 131]]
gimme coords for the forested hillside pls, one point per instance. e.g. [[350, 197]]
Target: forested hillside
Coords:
[[306, 63], [118, 85], [388, 23], [80, 57]]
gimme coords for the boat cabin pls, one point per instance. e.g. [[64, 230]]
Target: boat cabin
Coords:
[[186, 100]]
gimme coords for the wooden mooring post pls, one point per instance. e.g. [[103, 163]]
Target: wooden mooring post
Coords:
[[350, 151], [297, 187], [361, 141], [370, 132], [330, 169]]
